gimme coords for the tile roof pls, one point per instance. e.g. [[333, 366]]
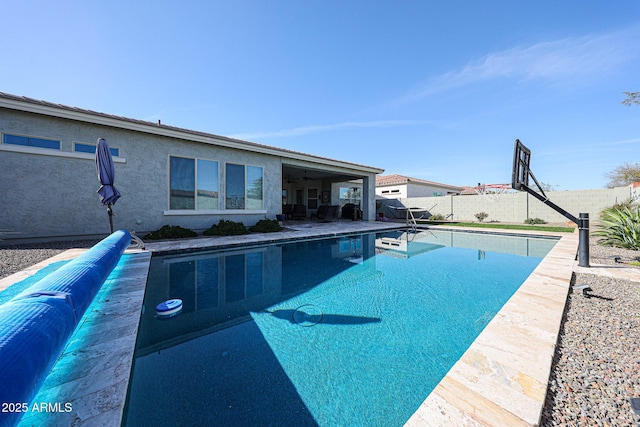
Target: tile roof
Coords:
[[395, 179]]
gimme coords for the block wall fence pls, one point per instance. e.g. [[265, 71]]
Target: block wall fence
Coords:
[[517, 207]]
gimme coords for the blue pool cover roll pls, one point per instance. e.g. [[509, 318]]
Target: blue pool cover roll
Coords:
[[36, 324]]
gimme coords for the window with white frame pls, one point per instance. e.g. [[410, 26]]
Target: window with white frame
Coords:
[[193, 184], [243, 187]]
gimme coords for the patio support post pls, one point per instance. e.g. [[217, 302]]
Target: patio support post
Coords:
[[368, 198]]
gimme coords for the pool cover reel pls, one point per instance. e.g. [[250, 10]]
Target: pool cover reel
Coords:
[[36, 324]]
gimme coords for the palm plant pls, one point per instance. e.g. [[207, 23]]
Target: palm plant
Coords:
[[620, 227]]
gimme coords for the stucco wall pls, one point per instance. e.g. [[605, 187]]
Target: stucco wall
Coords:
[[410, 190], [392, 191], [425, 190], [50, 196]]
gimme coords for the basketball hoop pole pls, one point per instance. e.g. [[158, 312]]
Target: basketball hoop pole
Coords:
[[582, 221], [520, 181]]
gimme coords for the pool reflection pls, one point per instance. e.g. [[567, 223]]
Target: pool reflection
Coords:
[[220, 289]]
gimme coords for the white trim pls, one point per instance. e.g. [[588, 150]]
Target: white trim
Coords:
[[55, 153], [176, 212]]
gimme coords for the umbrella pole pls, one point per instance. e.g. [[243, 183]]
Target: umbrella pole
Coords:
[[110, 212]]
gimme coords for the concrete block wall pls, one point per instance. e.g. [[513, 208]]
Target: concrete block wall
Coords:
[[517, 207]]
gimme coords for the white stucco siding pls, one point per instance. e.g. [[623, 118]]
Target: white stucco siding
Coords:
[[414, 190], [392, 191], [403, 191]]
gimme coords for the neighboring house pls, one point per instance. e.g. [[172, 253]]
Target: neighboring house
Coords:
[[166, 175], [400, 186]]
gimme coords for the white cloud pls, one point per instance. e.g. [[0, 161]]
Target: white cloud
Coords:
[[306, 130], [571, 59]]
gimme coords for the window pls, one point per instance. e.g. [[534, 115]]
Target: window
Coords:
[[235, 187], [207, 179], [244, 187], [30, 141], [254, 187], [185, 176], [350, 195], [312, 198], [81, 147]]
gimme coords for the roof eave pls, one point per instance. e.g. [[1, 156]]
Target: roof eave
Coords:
[[172, 132]]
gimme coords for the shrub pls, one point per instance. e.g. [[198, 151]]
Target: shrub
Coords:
[[481, 216], [436, 217], [535, 221], [170, 232], [226, 228], [266, 226], [628, 203], [620, 227]]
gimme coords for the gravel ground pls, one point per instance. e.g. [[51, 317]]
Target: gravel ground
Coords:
[[18, 257], [596, 368]]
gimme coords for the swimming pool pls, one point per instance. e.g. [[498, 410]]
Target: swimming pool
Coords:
[[355, 330]]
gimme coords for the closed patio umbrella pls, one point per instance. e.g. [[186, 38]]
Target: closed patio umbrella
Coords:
[[109, 195]]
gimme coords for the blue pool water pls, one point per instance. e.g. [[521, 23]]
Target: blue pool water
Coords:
[[355, 330], [20, 286]]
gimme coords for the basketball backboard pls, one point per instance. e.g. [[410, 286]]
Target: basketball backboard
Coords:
[[520, 181], [521, 160]]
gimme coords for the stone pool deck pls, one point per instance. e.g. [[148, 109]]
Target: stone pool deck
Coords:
[[500, 380]]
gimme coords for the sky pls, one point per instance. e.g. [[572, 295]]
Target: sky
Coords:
[[431, 89]]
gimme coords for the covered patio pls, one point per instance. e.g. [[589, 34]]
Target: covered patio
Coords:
[[307, 187]]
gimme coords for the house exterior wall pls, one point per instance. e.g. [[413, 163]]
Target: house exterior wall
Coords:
[[50, 196], [392, 191], [414, 190], [410, 190]]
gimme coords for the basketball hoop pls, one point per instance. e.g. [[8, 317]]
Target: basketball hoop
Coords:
[[520, 181], [491, 192]]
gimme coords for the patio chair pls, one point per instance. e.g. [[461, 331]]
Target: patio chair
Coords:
[[327, 213], [287, 211], [331, 213], [321, 212], [299, 212]]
